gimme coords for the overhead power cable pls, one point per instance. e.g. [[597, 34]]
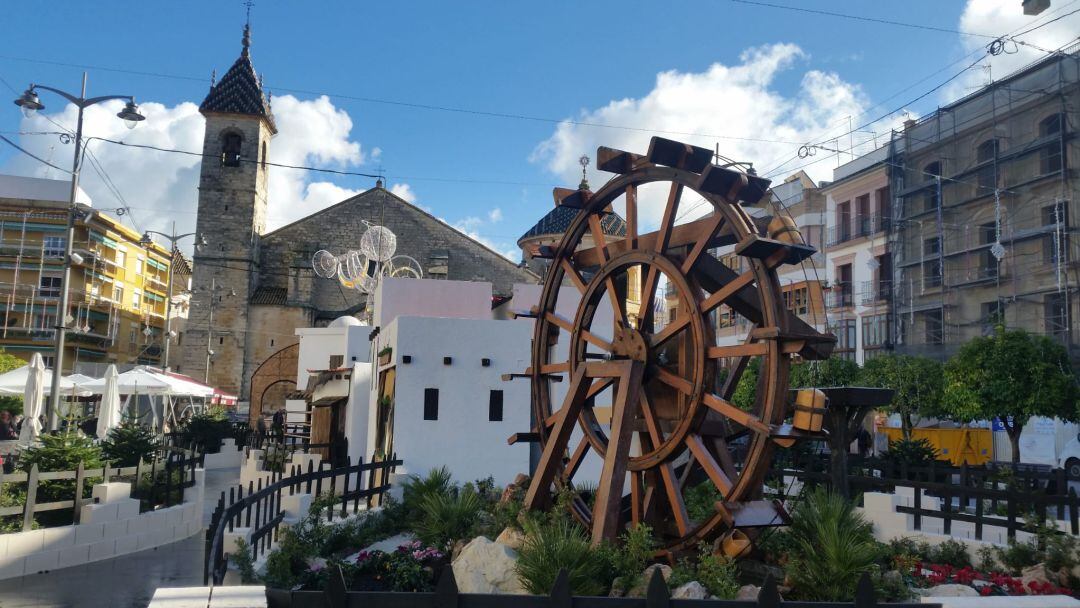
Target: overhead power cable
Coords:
[[32, 155], [813, 11]]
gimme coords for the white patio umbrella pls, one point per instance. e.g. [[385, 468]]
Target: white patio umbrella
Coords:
[[14, 382], [135, 382], [33, 400], [109, 410]]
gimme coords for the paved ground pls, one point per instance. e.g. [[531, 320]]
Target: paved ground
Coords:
[[123, 582]]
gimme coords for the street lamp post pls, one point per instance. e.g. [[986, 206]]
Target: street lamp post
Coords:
[[173, 238], [30, 103]]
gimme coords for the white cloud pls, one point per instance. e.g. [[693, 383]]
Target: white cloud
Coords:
[[404, 191], [737, 100], [1000, 17], [495, 215], [161, 186]]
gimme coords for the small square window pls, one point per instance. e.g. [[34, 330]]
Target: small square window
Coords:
[[431, 404], [495, 406]]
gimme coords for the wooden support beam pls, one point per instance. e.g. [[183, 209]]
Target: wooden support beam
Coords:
[[605, 523], [671, 153], [680, 236], [539, 492]]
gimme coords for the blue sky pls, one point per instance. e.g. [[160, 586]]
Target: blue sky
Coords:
[[596, 61]]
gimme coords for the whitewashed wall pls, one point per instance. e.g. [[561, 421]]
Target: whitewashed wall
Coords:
[[462, 439]]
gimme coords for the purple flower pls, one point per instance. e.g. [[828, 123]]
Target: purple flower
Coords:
[[316, 564]]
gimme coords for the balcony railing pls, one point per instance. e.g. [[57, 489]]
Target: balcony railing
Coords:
[[874, 291], [856, 227], [840, 297]]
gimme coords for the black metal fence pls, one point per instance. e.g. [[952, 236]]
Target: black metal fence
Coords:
[[1003, 495], [259, 507], [446, 595]]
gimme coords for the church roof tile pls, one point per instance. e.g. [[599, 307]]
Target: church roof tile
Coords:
[[240, 91]]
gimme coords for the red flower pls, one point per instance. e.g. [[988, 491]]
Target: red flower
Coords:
[[986, 590]]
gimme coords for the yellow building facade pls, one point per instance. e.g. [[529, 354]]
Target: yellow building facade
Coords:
[[118, 291]]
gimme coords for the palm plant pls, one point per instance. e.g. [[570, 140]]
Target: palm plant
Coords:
[[446, 518], [558, 545], [833, 547], [415, 489]]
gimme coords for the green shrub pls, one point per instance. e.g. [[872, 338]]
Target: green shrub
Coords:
[[446, 518], [554, 546], [1061, 551], [128, 444], [913, 452], [61, 452], [244, 562], [701, 501], [627, 559], [987, 558], [834, 546], [1019, 555], [952, 552], [207, 429], [718, 574], [415, 489]]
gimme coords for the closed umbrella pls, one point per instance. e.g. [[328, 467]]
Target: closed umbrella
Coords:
[[109, 411], [33, 400]]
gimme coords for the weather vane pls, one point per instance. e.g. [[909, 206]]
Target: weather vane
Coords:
[[584, 162]]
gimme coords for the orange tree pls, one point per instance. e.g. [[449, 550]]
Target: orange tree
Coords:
[[1011, 375]]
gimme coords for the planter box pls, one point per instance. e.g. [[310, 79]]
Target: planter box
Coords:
[[386, 357]]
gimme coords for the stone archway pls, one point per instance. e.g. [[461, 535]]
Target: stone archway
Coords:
[[271, 378]]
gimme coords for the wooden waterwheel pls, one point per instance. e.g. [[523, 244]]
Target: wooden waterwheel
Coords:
[[671, 422]]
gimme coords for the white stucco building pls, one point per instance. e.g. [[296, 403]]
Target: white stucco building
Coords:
[[858, 265]]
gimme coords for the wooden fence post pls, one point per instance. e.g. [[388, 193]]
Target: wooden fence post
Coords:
[[336, 593], [1074, 519], [80, 475], [31, 498]]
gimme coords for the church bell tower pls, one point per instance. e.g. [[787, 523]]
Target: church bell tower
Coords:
[[231, 219]]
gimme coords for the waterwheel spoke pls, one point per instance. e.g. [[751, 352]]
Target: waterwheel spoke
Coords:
[[667, 470], [637, 498], [715, 473], [676, 382], [587, 335], [648, 294], [576, 457], [618, 304], [595, 389], [667, 223], [707, 230], [729, 289], [731, 411], [631, 216], [669, 330], [575, 276]]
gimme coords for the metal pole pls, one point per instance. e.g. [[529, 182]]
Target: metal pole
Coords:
[[168, 302], [210, 330], [61, 312]]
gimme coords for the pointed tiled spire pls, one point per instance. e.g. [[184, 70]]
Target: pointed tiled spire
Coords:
[[240, 90]]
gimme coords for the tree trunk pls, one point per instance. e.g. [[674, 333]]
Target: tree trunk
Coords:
[[905, 426], [1014, 441]]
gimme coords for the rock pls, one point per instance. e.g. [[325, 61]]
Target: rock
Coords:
[[511, 537], [690, 591], [641, 587], [618, 587], [484, 566], [948, 591], [1037, 573], [455, 550], [748, 593]]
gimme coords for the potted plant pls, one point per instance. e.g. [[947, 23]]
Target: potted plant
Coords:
[[385, 355]]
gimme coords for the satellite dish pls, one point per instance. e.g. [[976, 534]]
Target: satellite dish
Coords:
[[998, 251]]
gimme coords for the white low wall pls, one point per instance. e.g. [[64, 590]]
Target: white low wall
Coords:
[[880, 509], [109, 527], [229, 457]]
